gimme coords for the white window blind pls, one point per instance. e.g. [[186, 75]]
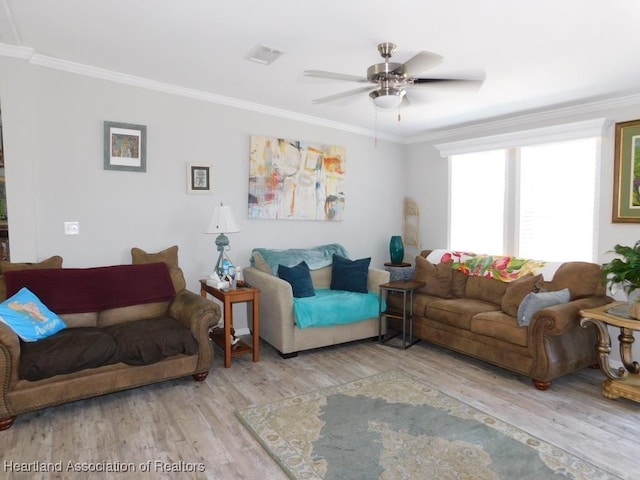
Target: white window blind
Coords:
[[530, 201], [477, 202], [557, 200]]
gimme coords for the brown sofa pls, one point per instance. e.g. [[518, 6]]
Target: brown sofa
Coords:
[[133, 304], [476, 316]]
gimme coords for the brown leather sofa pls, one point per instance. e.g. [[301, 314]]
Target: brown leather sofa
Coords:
[[143, 318], [476, 316]]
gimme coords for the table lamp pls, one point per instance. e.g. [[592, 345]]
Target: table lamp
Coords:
[[222, 221]]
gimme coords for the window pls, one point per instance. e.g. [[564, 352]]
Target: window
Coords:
[[477, 201], [557, 185], [530, 201]]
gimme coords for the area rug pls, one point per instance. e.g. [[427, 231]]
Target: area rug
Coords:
[[391, 427]]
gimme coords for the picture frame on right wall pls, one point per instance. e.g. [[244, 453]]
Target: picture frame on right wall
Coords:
[[626, 175]]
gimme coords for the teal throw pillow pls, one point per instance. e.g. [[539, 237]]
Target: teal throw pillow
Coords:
[[350, 275], [534, 302], [28, 317], [300, 279]]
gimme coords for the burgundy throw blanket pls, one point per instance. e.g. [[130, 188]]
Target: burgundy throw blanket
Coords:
[[79, 290]]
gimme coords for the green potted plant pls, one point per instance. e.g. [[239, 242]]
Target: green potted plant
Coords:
[[624, 272]]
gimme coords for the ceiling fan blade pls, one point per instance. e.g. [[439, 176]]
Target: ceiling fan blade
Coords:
[[457, 83], [348, 93], [335, 76], [421, 62]]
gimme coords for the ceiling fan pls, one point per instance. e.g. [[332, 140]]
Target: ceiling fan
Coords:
[[391, 80]]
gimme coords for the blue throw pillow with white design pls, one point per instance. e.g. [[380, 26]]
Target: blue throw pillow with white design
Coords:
[[26, 315]]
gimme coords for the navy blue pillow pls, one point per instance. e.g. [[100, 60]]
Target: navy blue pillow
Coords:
[[299, 278], [350, 275]]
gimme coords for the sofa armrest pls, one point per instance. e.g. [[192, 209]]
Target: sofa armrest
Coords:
[[276, 308], [199, 314], [559, 319], [376, 278], [9, 366]]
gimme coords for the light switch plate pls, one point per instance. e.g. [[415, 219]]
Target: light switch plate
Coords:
[[71, 228]]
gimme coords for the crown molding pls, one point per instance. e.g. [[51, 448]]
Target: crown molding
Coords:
[[559, 113], [13, 51], [476, 129], [112, 76], [557, 133]]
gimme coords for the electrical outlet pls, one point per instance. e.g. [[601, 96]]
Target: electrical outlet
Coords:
[[71, 228]]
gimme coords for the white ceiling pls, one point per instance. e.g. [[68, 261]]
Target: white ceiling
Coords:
[[533, 54]]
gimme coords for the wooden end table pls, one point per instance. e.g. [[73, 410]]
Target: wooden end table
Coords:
[[625, 381], [406, 287], [228, 297]]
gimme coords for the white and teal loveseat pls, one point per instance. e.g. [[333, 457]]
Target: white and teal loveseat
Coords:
[[282, 328]]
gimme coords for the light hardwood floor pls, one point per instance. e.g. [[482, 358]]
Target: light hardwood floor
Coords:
[[191, 422]]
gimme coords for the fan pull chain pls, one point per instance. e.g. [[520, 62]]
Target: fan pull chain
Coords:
[[375, 136]]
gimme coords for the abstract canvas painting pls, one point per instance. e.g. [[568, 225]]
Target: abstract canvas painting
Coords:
[[296, 180]]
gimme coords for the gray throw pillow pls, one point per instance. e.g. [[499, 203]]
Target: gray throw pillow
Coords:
[[534, 302]]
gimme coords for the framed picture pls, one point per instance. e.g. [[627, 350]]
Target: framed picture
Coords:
[[125, 147], [198, 178], [626, 178]]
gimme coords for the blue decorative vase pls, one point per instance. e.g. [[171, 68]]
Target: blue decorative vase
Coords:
[[396, 249]]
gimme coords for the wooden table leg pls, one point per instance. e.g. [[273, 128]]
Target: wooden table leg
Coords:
[[228, 323], [626, 355], [256, 328], [604, 348]]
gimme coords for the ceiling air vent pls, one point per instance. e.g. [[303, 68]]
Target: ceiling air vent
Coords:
[[264, 55]]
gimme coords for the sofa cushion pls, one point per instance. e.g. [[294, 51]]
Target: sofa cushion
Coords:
[[517, 290], [129, 313], [458, 283], [299, 278], [52, 262], [487, 289], [349, 275], [583, 279], [457, 312], [142, 342], [420, 302], [335, 307], [77, 290], [501, 326], [68, 351], [534, 302], [169, 256], [28, 317], [437, 278]]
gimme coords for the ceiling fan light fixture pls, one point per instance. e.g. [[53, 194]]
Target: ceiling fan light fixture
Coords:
[[388, 97]]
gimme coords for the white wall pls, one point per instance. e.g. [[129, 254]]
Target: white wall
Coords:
[[53, 133]]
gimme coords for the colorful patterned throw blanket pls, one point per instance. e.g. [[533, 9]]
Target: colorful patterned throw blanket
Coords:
[[504, 268]]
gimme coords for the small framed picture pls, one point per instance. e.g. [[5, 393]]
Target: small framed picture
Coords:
[[198, 178], [125, 147]]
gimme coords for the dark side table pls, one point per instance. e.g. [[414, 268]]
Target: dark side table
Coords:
[[406, 288]]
